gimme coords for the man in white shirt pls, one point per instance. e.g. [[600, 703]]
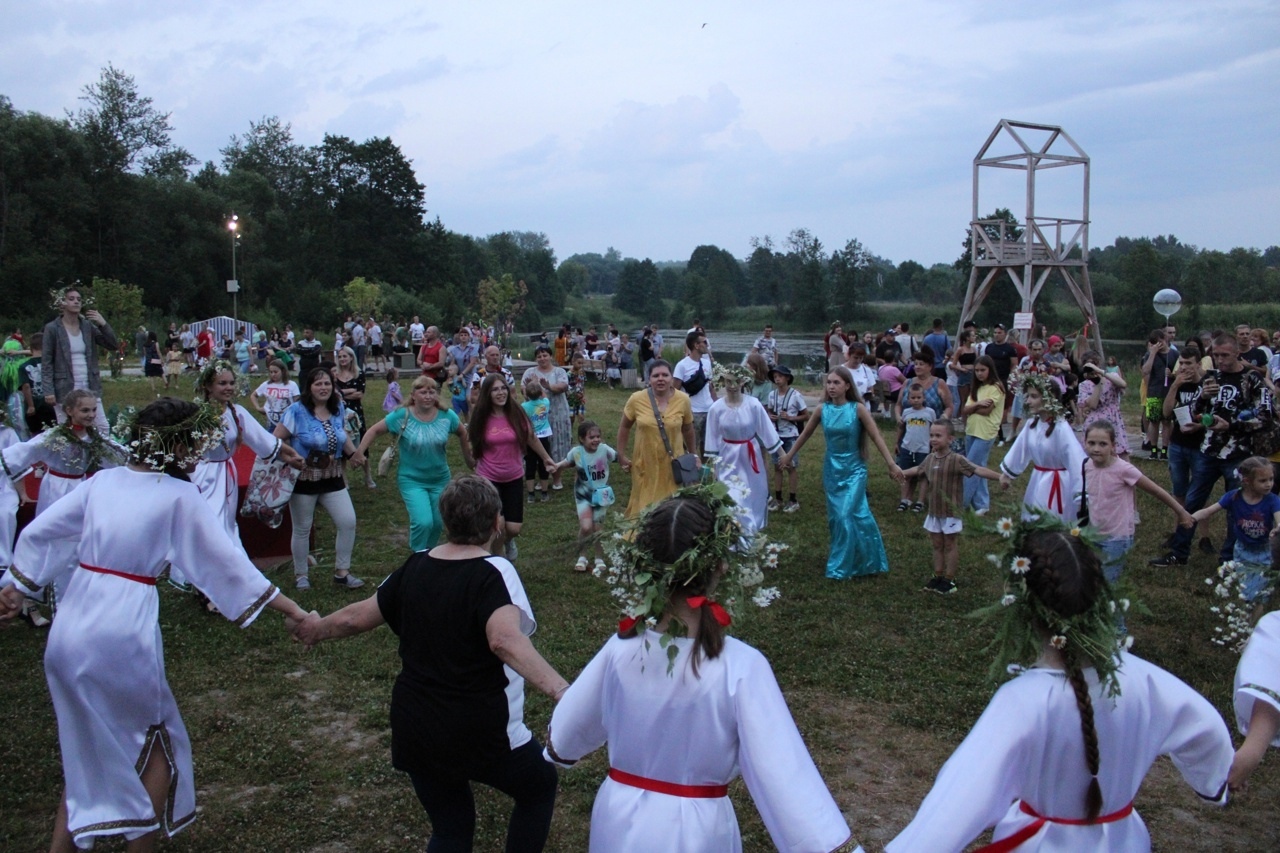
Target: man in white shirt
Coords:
[[694, 371], [375, 345], [416, 331], [767, 346], [357, 342]]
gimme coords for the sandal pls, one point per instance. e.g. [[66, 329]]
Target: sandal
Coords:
[[917, 507], [581, 565], [904, 505]]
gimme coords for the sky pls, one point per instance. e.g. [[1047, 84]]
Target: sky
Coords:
[[659, 126]]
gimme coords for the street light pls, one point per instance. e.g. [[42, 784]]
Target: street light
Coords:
[[233, 285]]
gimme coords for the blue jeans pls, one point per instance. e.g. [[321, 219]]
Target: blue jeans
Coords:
[[1180, 458], [977, 450], [1113, 552], [525, 776], [1205, 471]]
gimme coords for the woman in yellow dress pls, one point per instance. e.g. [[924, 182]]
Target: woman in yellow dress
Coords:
[[650, 464]]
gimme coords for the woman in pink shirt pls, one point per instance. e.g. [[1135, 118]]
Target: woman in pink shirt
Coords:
[[500, 433]]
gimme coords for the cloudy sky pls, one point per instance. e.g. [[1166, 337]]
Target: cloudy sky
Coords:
[[653, 127]]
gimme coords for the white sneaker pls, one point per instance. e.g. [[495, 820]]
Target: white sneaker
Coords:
[[792, 506], [774, 506], [581, 565], [981, 512]]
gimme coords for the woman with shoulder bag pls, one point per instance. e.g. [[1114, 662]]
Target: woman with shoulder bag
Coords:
[[658, 443]]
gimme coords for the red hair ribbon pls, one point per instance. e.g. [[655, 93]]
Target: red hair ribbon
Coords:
[[721, 615]]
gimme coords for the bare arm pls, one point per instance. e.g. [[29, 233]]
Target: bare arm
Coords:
[[1264, 721], [1201, 514], [624, 436], [686, 432], [1152, 488], [815, 420], [465, 441], [378, 429], [355, 618], [514, 649], [869, 424]]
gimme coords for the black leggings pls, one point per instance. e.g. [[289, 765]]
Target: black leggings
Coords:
[[534, 467], [524, 775]]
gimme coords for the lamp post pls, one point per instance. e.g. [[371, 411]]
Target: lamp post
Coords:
[[233, 285]]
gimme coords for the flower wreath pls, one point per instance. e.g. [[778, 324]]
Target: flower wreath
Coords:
[[212, 369], [727, 374], [157, 447], [642, 584], [1051, 398], [66, 441], [1091, 638], [58, 295]]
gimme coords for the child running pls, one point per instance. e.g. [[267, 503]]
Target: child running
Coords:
[[913, 444], [1056, 759], [943, 472], [393, 399], [592, 494], [576, 396], [1110, 485], [538, 408], [1257, 696], [1253, 516], [786, 407]]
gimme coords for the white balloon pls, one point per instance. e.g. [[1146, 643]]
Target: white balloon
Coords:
[[1167, 302]]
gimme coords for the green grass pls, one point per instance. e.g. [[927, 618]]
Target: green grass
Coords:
[[292, 747]]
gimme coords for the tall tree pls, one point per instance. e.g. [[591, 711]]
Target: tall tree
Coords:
[[639, 288], [119, 124]]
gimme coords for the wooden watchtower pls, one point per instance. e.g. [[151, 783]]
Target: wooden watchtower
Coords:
[[1048, 245]]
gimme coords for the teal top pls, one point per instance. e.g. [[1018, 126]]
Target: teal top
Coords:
[[539, 412], [423, 444]]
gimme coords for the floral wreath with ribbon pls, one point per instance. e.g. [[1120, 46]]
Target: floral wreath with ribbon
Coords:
[[1092, 638], [159, 448], [642, 584]]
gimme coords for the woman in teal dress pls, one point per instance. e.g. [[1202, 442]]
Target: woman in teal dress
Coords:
[[856, 546], [422, 433]]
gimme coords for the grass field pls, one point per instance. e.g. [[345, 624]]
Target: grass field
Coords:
[[292, 747]]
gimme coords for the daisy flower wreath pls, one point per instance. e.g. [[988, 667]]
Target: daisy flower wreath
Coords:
[[160, 447], [1089, 639], [642, 585]]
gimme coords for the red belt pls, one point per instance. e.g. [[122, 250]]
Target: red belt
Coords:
[[64, 475], [1006, 844], [1055, 491], [149, 581], [691, 791], [751, 452]]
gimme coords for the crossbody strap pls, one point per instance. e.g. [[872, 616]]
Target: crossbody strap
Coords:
[[662, 429], [1084, 491]]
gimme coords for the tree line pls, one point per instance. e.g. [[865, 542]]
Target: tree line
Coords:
[[104, 193]]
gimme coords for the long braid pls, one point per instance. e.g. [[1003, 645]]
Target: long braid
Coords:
[[1093, 794], [1066, 576]]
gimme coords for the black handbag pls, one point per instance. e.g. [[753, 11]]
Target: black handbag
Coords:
[[685, 469]]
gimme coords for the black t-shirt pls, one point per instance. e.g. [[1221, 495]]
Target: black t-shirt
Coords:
[[1255, 356], [449, 703], [308, 356], [1003, 355], [43, 418], [889, 353], [1161, 375], [1186, 395]]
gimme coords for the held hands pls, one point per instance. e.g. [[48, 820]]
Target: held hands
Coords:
[[291, 457], [306, 631], [1185, 519], [1005, 482], [357, 458], [624, 463], [896, 473], [10, 602]]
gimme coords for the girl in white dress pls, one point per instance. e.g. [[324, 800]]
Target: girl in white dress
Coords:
[[126, 755], [737, 427], [1060, 752], [70, 452], [681, 724], [1049, 446], [216, 475], [1257, 696]]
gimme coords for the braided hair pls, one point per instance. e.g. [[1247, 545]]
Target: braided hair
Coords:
[[1066, 575], [673, 529]]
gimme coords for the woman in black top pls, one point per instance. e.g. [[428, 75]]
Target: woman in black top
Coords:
[[464, 622]]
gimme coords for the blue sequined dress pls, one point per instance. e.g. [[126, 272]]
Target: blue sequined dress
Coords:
[[856, 546]]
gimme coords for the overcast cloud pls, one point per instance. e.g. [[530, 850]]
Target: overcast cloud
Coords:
[[658, 126]]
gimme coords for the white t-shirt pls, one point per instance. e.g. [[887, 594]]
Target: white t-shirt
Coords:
[[864, 378], [416, 331], [790, 402], [79, 363], [276, 397], [701, 402], [375, 335]]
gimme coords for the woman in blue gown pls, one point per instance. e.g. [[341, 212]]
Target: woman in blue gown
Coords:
[[856, 546]]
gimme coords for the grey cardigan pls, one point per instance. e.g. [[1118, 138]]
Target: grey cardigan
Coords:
[[55, 361]]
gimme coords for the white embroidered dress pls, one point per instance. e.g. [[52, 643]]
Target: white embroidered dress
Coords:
[[700, 730], [731, 434], [1055, 461], [1027, 747], [105, 658], [1258, 673]]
